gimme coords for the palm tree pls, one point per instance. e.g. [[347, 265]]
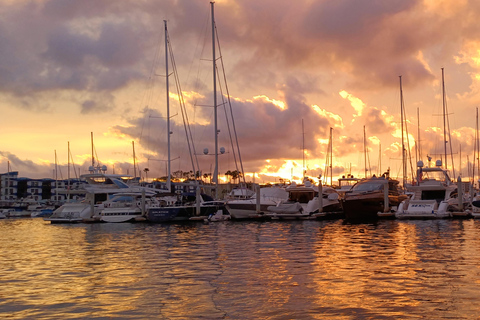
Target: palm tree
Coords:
[[146, 173], [229, 173]]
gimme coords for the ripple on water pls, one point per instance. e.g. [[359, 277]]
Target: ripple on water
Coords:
[[240, 270]]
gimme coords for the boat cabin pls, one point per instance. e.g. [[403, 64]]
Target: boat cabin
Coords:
[[375, 184]]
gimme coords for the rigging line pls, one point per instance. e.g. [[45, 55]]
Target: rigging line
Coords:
[[148, 94], [446, 124], [180, 96], [73, 164], [227, 120], [230, 104], [183, 109], [205, 30], [196, 84], [450, 139], [96, 156], [408, 140]]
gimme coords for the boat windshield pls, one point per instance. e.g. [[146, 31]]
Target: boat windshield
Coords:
[[123, 199], [435, 175], [371, 186]]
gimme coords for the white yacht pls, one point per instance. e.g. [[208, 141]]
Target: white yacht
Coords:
[[125, 207], [434, 196], [256, 205], [304, 203], [133, 206], [100, 187]]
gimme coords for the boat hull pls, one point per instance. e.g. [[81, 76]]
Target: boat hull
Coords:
[[181, 213], [118, 215], [423, 210], [367, 206], [73, 213], [246, 210]]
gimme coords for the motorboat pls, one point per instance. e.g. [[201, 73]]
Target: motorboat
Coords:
[[434, 196], [22, 208], [188, 207], [100, 187], [218, 216], [345, 184], [371, 196], [256, 205], [241, 192], [304, 203], [126, 207]]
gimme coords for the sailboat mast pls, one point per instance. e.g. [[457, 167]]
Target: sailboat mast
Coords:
[[93, 158], [8, 180], [460, 155], [56, 176], [419, 149], [215, 99], [444, 119], [404, 163], [365, 150], [303, 152], [476, 150], [168, 109], [331, 156], [134, 164], [68, 169], [379, 159], [68, 162]]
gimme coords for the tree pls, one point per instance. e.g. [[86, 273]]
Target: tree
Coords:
[[207, 175], [234, 175], [177, 175], [228, 173], [146, 173]]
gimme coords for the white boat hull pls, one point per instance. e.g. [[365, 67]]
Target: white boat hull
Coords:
[[118, 215], [422, 209], [71, 213]]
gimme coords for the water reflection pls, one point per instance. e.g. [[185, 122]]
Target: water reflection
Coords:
[[240, 270]]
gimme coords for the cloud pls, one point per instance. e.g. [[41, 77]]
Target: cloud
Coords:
[[266, 129], [285, 61]]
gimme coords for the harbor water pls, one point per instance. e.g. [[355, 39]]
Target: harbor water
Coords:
[[240, 270]]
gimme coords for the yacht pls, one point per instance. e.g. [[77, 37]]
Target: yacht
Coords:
[[304, 203], [345, 184], [371, 196], [255, 206], [435, 196], [100, 187], [127, 207], [188, 207]]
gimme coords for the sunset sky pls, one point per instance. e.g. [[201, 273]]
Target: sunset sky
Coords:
[[72, 67]]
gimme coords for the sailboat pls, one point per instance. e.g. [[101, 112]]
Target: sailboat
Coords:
[[99, 187], [371, 195], [189, 206], [435, 195]]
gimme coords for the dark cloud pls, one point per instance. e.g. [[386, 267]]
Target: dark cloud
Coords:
[[98, 51], [91, 45], [264, 130]]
